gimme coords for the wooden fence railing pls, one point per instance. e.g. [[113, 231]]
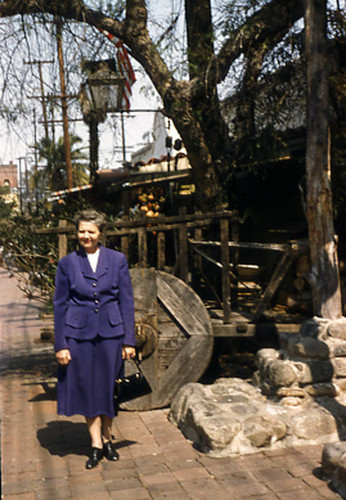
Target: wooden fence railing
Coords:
[[183, 227]]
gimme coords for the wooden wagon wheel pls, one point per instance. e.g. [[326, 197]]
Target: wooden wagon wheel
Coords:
[[175, 334]]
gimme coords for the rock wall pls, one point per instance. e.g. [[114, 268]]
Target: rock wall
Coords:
[[311, 363], [296, 397]]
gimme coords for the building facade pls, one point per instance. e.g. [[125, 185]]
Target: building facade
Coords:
[[9, 175]]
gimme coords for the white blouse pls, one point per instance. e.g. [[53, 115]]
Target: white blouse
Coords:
[[93, 259]]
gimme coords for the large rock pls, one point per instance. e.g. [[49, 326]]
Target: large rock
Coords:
[[313, 371], [275, 372], [337, 347], [315, 327], [334, 466], [232, 417], [337, 329], [332, 455], [339, 365], [306, 347], [309, 424], [281, 373], [262, 430]]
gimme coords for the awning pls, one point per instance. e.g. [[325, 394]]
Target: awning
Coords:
[[57, 195]]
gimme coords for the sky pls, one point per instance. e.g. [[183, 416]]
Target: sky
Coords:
[[138, 126], [17, 144]]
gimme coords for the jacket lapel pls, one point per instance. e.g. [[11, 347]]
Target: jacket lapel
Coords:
[[102, 265], [84, 264]]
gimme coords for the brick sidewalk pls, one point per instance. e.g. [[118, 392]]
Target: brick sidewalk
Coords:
[[43, 454]]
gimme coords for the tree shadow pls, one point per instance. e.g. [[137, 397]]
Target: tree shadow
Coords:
[[64, 438]]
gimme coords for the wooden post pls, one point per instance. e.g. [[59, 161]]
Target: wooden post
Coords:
[[226, 289], [276, 278], [235, 261], [142, 247], [324, 276], [198, 235], [67, 145], [62, 239], [125, 240], [161, 250], [183, 249]]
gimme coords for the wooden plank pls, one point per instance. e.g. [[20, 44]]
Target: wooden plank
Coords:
[[234, 251], [184, 305], [213, 261], [298, 246], [161, 250], [236, 244], [226, 285], [183, 252], [187, 366], [239, 330], [197, 258], [146, 312], [204, 218], [275, 280], [124, 243], [159, 227], [234, 330], [142, 247], [62, 239]]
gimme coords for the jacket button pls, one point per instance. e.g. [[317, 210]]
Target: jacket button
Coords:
[[96, 301], [94, 284], [96, 310], [95, 294]]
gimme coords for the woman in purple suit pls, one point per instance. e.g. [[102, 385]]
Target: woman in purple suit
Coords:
[[94, 331]]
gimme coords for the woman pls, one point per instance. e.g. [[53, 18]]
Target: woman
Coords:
[[94, 331]]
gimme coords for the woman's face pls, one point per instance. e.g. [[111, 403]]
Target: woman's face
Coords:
[[89, 236]]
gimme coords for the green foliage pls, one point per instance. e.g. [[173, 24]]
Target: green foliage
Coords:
[[53, 175], [32, 256], [5, 208], [4, 190]]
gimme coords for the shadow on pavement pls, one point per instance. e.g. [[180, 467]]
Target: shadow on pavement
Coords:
[[69, 438]]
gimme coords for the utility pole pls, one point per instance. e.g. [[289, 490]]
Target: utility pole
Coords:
[[43, 97], [123, 134], [21, 194], [67, 146], [36, 159]]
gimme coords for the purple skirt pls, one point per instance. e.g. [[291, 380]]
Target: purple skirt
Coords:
[[86, 384]]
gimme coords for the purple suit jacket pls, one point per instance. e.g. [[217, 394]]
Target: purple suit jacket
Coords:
[[87, 304]]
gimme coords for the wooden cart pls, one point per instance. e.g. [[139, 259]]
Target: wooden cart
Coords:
[[175, 330]]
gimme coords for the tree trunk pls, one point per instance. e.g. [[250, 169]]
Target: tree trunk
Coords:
[[324, 276]]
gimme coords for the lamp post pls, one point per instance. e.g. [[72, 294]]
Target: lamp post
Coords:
[[102, 93]]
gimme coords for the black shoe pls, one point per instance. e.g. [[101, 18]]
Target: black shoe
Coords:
[[109, 452], [95, 457]]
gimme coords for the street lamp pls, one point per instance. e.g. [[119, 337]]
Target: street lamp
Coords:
[[102, 93]]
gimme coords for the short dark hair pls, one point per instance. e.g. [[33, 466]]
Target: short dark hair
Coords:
[[93, 216]]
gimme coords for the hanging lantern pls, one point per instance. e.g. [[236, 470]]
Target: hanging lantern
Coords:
[[102, 92]]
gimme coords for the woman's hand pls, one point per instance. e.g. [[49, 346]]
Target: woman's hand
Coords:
[[63, 356], [128, 352]]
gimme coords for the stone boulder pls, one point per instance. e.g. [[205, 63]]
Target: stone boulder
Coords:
[[334, 466], [232, 417]]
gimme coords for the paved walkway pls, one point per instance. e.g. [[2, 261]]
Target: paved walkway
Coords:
[[43, 454]]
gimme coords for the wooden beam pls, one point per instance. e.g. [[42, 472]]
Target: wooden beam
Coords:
[[226, 283], [62, 239], [275, 280]]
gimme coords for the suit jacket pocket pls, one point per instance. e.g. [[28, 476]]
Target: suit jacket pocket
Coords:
[[114, 314], [76, 316]]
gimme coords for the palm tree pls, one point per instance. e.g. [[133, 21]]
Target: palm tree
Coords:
[[53, 175]]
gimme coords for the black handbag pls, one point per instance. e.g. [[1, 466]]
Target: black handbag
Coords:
[[131, 387]]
